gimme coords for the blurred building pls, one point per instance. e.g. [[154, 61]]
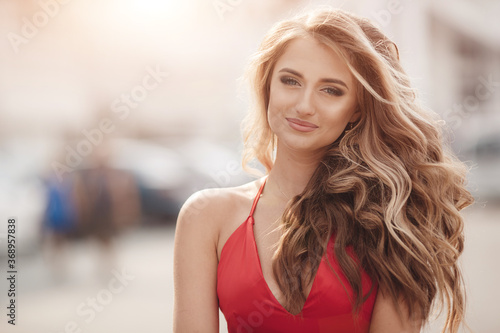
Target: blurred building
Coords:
[[465, 48], [451, 50]]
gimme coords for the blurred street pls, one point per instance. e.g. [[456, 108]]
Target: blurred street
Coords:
[[141, 299]]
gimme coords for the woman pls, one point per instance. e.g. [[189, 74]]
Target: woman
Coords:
[[356, 226]]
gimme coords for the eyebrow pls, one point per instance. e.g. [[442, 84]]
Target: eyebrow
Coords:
[[328, 80]]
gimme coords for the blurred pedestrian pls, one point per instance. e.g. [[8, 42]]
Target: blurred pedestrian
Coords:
[[108, 202], [60, 219]]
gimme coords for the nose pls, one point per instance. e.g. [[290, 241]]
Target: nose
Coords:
[[305, 103]]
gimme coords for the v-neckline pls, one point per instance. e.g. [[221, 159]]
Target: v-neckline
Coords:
[[252, 222]]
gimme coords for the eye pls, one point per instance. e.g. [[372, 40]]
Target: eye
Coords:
[[333, 91], [289, 81]]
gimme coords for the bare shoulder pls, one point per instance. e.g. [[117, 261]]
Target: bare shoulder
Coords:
[[219, 211], [216, 204]]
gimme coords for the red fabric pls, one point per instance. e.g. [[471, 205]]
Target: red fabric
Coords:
[[249, 305]]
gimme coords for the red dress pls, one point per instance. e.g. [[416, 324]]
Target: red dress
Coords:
[[249, 305]]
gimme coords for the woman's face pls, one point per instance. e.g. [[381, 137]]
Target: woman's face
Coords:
[[312, 96]]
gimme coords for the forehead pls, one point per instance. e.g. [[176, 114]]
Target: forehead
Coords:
[[314, 60]]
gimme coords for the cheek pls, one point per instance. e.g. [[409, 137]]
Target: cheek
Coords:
[[339, 113], [344, 109], [279, 102], [278, 99]]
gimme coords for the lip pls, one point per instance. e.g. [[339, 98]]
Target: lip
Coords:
[[301, 125]]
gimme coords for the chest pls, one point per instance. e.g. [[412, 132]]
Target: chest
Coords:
[[267, 236], [267, 232]]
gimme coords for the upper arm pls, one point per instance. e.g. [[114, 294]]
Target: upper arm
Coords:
[[196, 307], [387, 319]]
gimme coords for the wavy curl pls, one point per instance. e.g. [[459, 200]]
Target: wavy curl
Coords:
[[389, 188]]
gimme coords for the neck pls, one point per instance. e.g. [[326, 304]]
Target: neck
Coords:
[[291, 172]]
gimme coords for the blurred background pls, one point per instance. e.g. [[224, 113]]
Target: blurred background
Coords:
[[113, 112]]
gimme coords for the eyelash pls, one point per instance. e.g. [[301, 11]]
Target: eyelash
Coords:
[[335, 92], [329, 90], [289, 81]]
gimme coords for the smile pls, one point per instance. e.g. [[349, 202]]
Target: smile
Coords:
[[301, 125]]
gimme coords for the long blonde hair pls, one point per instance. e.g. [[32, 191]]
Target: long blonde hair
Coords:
[[388, 188]]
